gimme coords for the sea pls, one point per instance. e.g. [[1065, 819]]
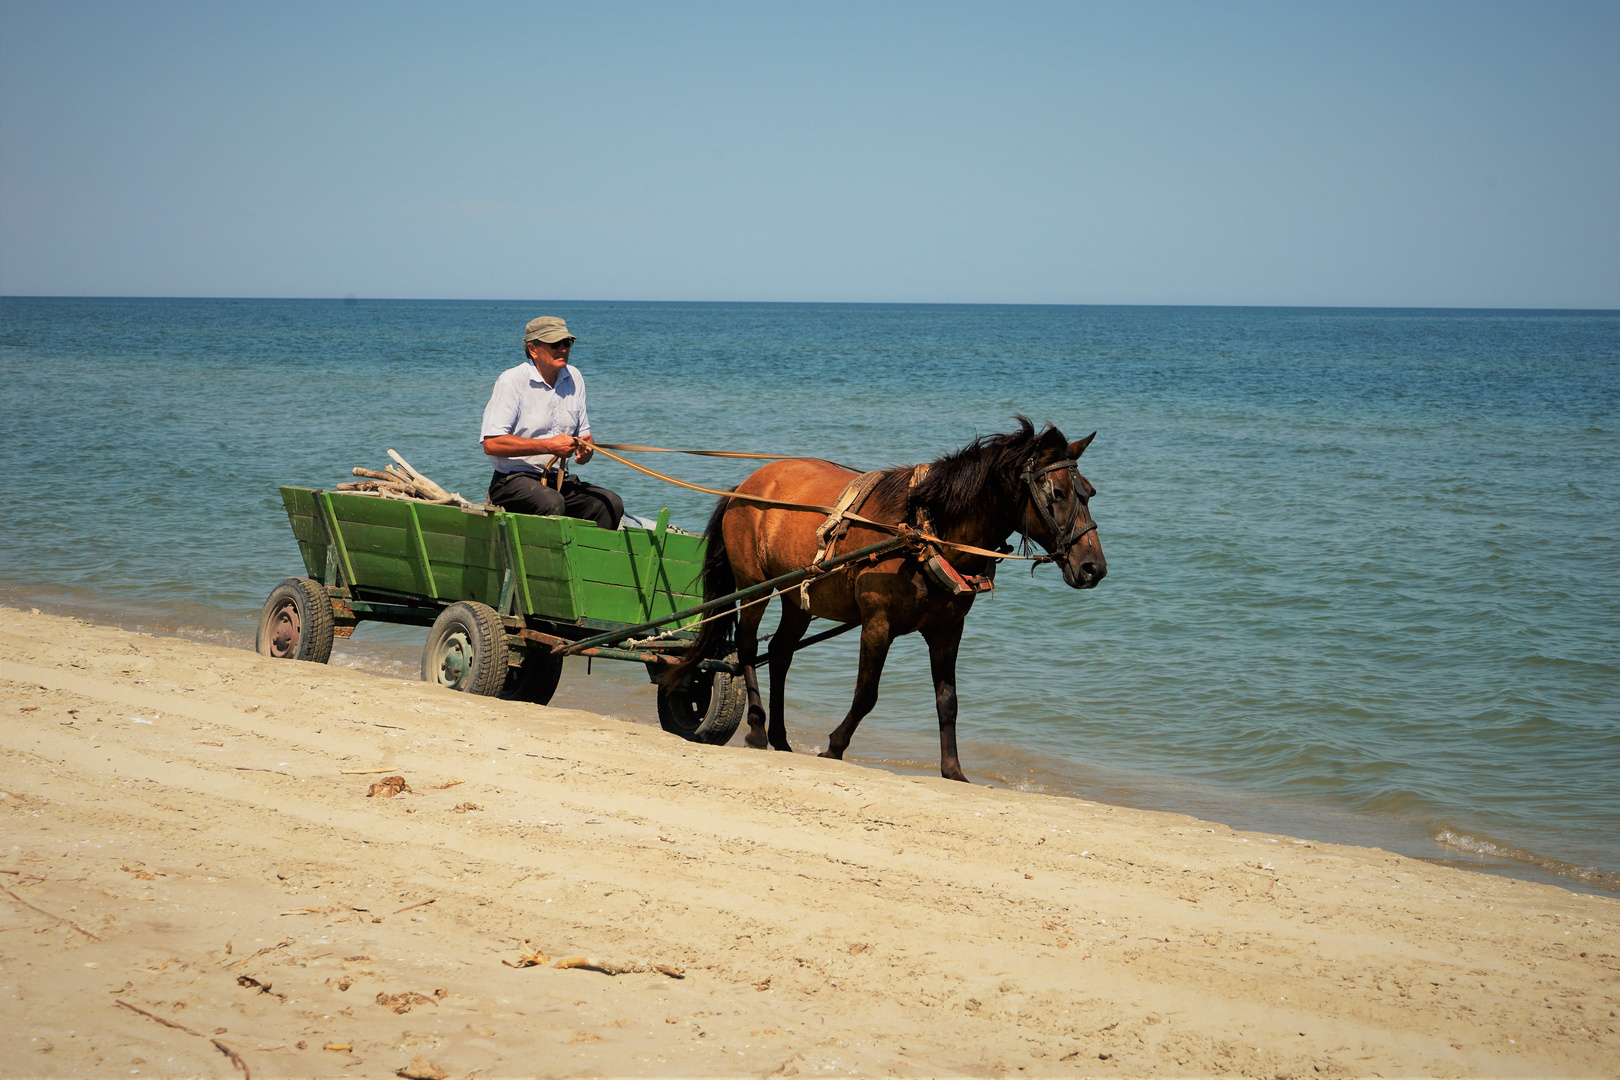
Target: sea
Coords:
[[1364, 578]]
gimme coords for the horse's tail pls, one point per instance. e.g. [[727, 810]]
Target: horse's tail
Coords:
[[718, 580]]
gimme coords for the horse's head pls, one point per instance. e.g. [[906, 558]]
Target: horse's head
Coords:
[[1056, 510]]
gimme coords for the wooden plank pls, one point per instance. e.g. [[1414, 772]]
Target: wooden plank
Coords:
[[552, 599], [365, 510], [469, 583], [314, 556], [609, 567], [307, 530], [545, 562], [619, 603], [377, 539], [398, 573], [622, 569], [483, 552], [448, 535], [682, 578], [674, 547], [612, 539], [450, 519], [546, 532], [301, 511], [679, 548], [298, 500]]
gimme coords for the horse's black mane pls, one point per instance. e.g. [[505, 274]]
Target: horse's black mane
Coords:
[[956, 484]]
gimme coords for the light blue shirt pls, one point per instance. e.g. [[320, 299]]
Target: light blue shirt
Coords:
[[523, 405]]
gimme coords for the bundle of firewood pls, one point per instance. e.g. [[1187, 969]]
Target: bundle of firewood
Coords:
[[400, 481]]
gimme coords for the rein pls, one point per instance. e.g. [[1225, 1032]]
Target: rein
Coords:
[[813, 508], [628, 448]]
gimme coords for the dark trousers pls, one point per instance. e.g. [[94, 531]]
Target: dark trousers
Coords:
[[530, 493]]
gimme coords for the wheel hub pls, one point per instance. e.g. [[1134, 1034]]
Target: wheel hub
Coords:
[[284, 631], [455, 659]]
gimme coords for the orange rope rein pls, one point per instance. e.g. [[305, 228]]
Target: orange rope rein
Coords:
[[807, 508]]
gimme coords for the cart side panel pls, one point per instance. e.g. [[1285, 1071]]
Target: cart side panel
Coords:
[[622, 579], [307, 530], [546, 543], [377, 534], [402, 546], [464, 551]]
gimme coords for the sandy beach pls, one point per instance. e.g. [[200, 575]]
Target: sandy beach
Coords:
[[197, 883]]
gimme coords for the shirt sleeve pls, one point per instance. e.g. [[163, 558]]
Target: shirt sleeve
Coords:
[[501, 414], [584, 426]]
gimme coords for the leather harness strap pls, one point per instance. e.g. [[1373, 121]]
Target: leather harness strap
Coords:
[[829, 532], [1042, 493], [850, 501]]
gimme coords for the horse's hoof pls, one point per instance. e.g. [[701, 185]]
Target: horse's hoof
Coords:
[[829, 753], [756, 741], [782, 746]]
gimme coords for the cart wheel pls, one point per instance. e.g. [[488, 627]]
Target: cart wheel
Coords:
[[536, 680], [296, 623], [466, 649], [706, 707]]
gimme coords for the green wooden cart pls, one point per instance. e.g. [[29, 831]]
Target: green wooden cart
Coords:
[[504, 593]]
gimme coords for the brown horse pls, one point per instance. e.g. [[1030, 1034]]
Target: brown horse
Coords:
[[1022, 481]]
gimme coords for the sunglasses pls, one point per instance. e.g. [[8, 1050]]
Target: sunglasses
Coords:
[[560, 346]]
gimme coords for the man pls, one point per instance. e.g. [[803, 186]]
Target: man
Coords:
[[537, 412]]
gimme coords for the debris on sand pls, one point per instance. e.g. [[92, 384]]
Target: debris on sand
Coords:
[[388, 787], [420, 1068], [617, 967], [405, 1002], [534, 958]]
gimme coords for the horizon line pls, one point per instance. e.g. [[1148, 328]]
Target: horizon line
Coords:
[[351, 299]]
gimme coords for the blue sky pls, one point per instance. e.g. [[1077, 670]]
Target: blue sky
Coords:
[[1408, 154]]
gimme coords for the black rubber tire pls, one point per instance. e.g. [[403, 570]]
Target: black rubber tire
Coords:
[[466, 649], [707, 707], [296, 622], [535, 681]]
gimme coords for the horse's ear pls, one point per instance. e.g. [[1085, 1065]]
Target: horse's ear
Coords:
[[1078, 448]]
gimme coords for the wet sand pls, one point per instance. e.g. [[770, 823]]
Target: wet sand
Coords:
[[188, 838]]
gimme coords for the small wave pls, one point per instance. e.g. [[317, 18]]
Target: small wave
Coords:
[[373, 665], [1475, 845]]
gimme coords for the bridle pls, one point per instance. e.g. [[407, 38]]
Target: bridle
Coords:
[[1042, 493]]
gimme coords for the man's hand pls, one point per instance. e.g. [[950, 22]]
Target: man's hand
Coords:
[[583, 450]]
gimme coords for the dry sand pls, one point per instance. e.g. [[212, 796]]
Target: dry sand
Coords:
[[186, 830]]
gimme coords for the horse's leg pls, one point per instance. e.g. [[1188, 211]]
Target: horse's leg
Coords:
[[943, 642], [875, 641], [788, 633], [748, 657]]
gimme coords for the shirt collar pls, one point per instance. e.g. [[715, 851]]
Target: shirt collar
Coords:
[[536, 380]]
